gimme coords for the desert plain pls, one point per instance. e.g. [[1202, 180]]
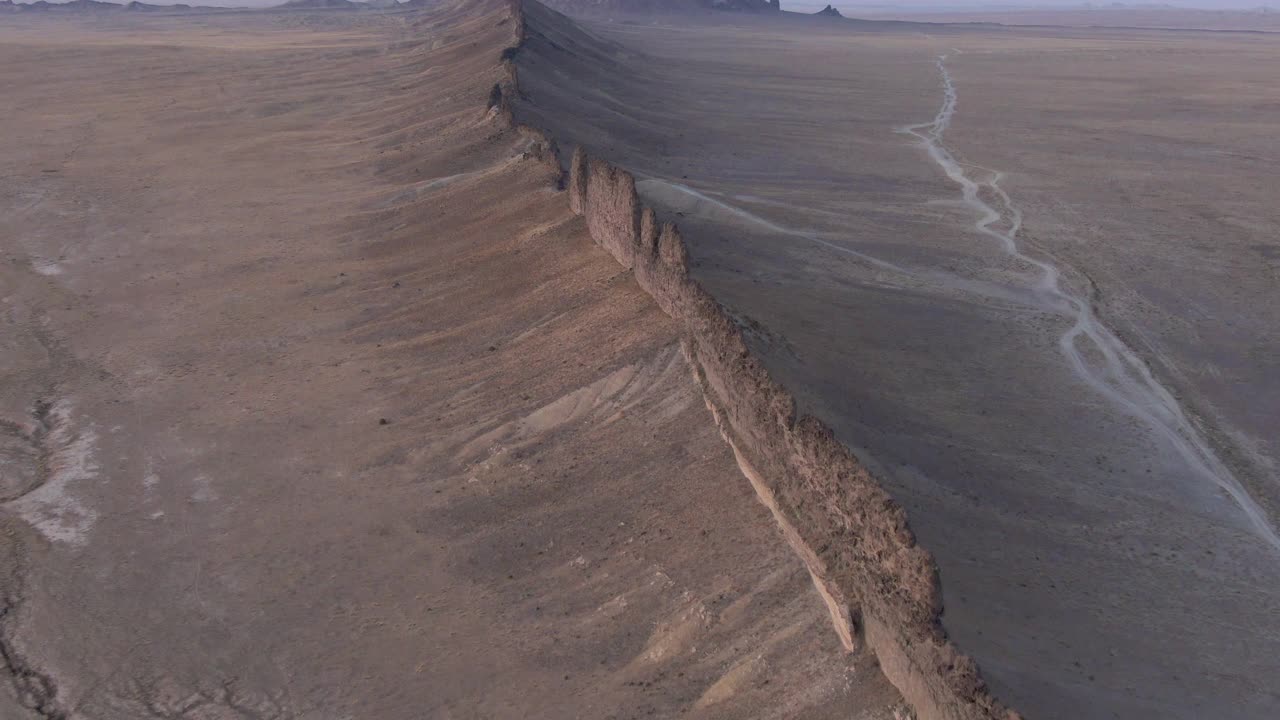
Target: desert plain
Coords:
[[317, 400]]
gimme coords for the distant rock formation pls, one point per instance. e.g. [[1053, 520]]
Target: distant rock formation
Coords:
[[323, 5], [73, 6], [829, 12], [136, 6], [94, 6], [663, 7], [746, 5], [351, 4]]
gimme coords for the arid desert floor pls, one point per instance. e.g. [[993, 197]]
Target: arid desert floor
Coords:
[[1261, 18], [317, 401]]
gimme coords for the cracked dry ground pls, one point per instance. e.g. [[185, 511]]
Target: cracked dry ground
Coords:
[[289, 430]]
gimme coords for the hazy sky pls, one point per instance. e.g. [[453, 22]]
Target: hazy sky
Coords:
[[850, 7]]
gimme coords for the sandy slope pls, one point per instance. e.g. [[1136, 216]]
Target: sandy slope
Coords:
[[289, 428]]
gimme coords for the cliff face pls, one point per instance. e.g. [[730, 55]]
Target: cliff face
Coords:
[[879, 585]]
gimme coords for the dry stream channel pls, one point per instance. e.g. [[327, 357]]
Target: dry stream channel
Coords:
[[1121, 375]]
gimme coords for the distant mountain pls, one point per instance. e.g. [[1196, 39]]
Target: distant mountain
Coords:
[[92, 6], [136, 6], [829, 11], [73, 6], [143, 7], [664, 7], [324, 5]]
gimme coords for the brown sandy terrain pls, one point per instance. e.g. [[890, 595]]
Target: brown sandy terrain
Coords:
[[1089, 454], [267, 366], [288, 429]]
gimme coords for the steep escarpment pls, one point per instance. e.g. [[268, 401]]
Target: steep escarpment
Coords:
[[879, 585], [412, 446]]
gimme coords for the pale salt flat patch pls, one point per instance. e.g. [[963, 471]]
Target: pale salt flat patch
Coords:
[[204, 490], [46, 267], [52, 508]]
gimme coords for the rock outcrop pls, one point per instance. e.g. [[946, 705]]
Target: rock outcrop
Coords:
[[879, 585]]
